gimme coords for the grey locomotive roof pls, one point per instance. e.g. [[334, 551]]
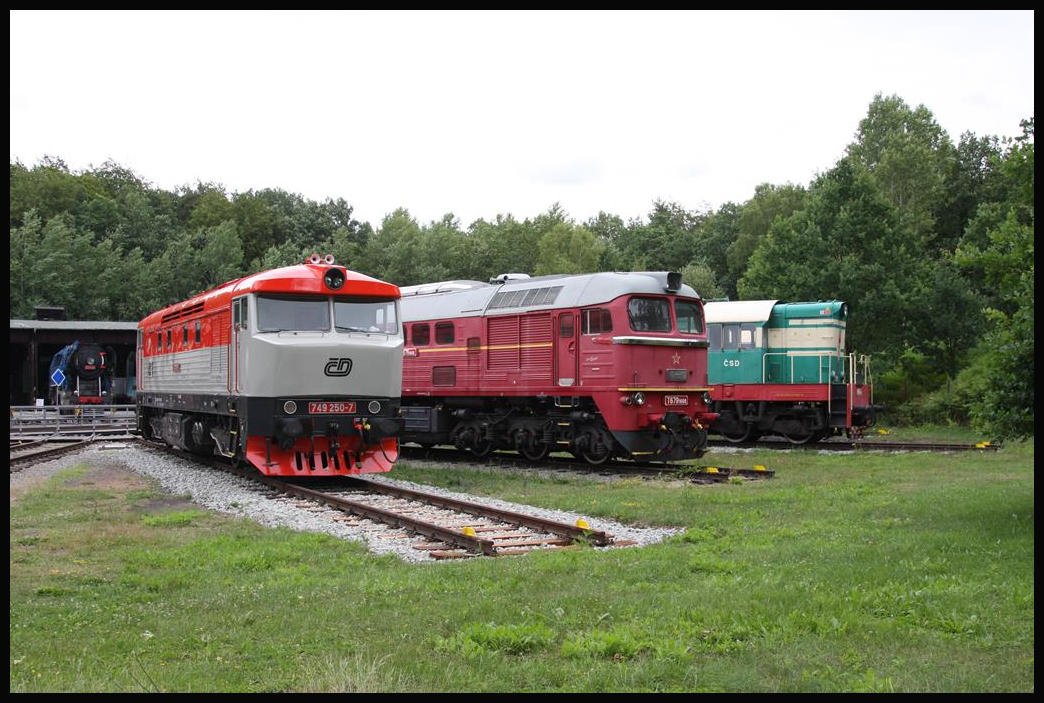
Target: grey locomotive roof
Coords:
[[71, 325], [472, 298]]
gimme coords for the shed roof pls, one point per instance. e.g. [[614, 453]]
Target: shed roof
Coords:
[[72, 325]]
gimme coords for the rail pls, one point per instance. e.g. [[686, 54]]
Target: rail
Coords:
[[63, 418]]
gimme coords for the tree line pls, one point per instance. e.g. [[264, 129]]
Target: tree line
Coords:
[[929, 240]]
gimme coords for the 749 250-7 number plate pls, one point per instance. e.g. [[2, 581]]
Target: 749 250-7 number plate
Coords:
[[318, 408], [676, 400]]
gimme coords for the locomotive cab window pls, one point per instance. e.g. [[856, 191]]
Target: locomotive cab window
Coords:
[[746, 337], [649, 314], [444, 333], [689, 316], [714, 335], [197, 331], [184, 335], [421, 335], [277, 314], [565, 326], [170, 342], [373, 315], [159, 341], [730, 337], [596, 321]]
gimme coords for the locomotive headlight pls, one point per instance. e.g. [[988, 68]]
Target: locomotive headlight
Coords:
[[706, 399], [334, 279], [289, 407], [639, 399], [374, 407]]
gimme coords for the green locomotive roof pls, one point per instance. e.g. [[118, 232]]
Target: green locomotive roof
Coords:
[[831, 310]]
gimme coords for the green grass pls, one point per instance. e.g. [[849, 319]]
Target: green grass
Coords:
[[859, 572]]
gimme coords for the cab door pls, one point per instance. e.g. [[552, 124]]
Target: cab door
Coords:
[[740, 359], [237, 345], [565, 352]]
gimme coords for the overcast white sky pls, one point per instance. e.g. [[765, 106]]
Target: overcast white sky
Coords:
[[480, 113]]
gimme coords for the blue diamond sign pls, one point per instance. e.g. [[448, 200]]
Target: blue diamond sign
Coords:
[[57, 378]]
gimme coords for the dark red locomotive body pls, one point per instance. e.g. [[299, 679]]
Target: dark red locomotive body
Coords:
[[601, 365]]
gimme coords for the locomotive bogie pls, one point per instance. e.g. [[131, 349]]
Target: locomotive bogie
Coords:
[[296, 371]]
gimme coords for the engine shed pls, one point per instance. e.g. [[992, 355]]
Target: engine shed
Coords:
[[33, 343]]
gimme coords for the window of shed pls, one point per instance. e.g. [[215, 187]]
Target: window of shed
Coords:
[[444, 333]]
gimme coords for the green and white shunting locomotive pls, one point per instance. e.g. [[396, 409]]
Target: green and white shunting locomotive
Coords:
[[782, 369]]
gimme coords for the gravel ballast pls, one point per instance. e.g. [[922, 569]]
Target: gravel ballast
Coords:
[[229, 494]]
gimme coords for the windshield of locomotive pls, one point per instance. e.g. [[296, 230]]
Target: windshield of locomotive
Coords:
[[360, 315], [649, 314], [293, 314], [689, 316]]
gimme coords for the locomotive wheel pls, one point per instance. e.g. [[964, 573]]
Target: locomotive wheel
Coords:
[[801, 437], [481, 449], [743, 435], [534, 451], [597, 450], [596, 456]]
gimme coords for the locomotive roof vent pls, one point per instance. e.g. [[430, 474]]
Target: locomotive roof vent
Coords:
[[505, 277], [673, 281]]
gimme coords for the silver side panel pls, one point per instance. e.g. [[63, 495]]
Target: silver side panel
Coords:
[[196, 371], [321, 364]]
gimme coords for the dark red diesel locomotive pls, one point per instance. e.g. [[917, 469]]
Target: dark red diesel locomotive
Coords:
[[296, 370], [602, 365]]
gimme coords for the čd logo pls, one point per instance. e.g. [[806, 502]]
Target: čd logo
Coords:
[[338, 367]]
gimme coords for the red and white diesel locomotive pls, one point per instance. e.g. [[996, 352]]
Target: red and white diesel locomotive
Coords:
[[602, 365], [296, 370]]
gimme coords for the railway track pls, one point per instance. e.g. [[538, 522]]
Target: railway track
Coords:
[[694, 473], [844, 445], [24, 453], [443, 527]]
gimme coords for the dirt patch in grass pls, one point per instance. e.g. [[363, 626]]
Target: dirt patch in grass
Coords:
[[104, 473], [108, 475], [164, 503]]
